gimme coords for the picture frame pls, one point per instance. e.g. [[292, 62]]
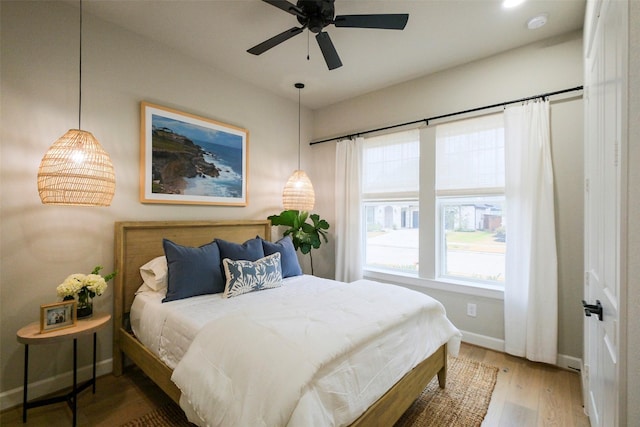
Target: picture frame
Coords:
[[188, 159], [58, 315]]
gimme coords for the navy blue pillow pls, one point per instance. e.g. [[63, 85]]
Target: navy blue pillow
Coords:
[[251, 250], [192, 271], [288, 258]]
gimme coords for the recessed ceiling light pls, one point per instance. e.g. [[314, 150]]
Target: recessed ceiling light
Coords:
[[537, 21], [508, 4]]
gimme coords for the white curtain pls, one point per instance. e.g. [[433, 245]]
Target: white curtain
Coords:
[[531, 289], [348, 211]]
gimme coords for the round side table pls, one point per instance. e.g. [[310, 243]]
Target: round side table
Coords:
[[30, 334]]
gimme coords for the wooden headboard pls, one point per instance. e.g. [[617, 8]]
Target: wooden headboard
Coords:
[[137, 242]]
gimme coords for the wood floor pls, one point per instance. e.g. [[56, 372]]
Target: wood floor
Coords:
[[526, 394]]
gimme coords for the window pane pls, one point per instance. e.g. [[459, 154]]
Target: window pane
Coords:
[[391, 163], [392, 235], [473, 235], [470, 154]]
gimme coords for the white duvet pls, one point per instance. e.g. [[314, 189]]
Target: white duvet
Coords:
[[314, 352]]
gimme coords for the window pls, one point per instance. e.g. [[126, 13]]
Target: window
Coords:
[[472, 238], [391, 173], [459, 185], [470, 200]]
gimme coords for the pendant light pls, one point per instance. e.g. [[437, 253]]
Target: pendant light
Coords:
[[76, 170], [298, 192]]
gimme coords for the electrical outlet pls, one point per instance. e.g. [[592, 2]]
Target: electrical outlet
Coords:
[[471, 309]]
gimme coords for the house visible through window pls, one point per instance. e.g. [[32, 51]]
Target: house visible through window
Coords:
[[470, 199], [464, 202], [391, 173]]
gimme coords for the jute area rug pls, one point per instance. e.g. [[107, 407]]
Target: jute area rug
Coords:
[[464, 402]]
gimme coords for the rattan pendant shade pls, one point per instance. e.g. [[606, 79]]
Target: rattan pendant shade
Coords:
[[76, 170], [298, 192]]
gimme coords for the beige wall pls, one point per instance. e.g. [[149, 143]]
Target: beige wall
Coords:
[[539, 68], [41, 245]]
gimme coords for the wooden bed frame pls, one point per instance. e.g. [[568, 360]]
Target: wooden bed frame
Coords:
[[138, 242]]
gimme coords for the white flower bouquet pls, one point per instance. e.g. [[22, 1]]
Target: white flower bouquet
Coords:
[[85, 286]]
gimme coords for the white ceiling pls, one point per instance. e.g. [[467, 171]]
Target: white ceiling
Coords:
[[439, 34]]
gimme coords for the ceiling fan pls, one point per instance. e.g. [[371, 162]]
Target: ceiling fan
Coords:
[[315, 15]]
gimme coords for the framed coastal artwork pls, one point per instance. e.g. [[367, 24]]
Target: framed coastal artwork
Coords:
[[187, 159]]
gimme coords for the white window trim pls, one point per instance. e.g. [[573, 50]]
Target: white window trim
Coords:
[[427, 199], [449, 285], [470, 192]]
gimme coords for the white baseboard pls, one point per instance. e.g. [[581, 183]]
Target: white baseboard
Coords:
[[11, 398], [563, 361], [570, 363], [483, 341]]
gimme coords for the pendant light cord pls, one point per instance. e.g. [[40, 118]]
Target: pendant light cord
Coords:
[[80, 74], [299, 88]]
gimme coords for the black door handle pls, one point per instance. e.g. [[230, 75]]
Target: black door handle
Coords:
[[592, 309]]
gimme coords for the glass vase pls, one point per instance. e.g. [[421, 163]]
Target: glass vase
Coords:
[[85, 306]]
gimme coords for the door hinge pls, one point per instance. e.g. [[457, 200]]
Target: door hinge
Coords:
[[586, 185], [586, 278]]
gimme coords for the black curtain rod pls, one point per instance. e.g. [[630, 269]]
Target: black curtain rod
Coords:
[[443, 116]]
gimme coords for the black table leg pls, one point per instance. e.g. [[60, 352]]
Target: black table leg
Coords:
[[24, 390], [72, 397], [75, 378], [94, 362]]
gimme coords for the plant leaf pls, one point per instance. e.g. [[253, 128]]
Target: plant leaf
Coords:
[[305, 236], [305, 248]]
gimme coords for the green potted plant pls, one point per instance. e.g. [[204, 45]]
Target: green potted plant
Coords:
[[305, 235]]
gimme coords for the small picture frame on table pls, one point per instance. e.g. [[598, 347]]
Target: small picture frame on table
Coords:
[[58, 315]]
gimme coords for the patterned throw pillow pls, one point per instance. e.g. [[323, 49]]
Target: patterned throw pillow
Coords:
[[248, 276]]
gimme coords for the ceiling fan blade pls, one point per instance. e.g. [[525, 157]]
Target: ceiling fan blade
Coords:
[[385, 22], [274, 41], [286, 6], [328, 50]]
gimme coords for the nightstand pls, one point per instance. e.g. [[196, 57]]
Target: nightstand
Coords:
[[30, 334]]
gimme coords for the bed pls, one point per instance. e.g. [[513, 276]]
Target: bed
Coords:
[[138, 242]]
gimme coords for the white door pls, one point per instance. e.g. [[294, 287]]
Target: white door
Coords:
[[605, 39]]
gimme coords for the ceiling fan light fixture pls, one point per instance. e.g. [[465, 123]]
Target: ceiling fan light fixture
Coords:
[[316, 15]]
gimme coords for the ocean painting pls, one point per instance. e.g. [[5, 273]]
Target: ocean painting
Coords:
[[190, 159]]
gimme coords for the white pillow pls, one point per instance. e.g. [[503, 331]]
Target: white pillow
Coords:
[[154, 273], [144, 288]]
